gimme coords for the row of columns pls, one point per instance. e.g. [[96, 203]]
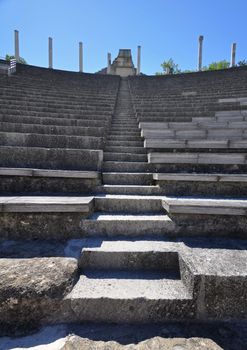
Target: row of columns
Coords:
[[200, 43], [50, 53]]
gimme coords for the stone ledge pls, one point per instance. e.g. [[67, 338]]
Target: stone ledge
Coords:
[[200, 177], [205, 206], [48, 173], [45, 204]]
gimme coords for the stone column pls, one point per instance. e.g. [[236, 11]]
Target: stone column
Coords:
[[138, 60], [80, 57], [233, 54], [200, 52], [108, 63], [17, 55], [50, 52]]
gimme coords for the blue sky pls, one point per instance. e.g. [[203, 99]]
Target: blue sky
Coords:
[[164, 29]]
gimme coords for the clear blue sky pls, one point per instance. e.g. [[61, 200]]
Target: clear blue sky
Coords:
[[164, 29]]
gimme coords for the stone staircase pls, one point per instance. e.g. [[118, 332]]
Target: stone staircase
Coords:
[[125, 167]]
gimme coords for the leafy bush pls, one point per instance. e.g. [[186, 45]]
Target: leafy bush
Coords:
[[9, 57]]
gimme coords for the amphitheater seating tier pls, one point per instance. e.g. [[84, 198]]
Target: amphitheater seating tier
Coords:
[[126, 195]]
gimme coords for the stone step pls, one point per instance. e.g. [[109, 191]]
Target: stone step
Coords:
[[123, 297], [130, 225], [119, 254], [128, 203], [131, 189], [124, 138], [124, 133], [125, 149], [131, 157], [120, 143], [115, 166], [114, 178]]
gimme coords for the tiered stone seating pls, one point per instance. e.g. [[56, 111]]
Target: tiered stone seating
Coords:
[[53, 120], [132, 249]]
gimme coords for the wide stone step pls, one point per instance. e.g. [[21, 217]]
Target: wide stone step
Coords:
[[51, 158], [122, 297], [114, 166], [131, 157], [131, 189], [130, 225], [53, 121], [50, 141], [116, 178], [125, 149], [128, 203], [148, 255], [51, 129]]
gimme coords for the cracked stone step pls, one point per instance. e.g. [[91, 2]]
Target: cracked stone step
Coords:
[[127, 225], [122, 297]]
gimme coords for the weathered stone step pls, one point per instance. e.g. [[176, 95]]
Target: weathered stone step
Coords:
[[120, 143], [51, 158], [131, 157], [142, 254], [115, 178], [125, 149], [222, 217], [50, 141], [124, 138], [128, 203], [131, 189], [130, 225], [124, 133], [115, 166], [53, 121], [122, 297], [51, 129]]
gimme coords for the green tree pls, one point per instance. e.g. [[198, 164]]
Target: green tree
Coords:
[[217, 65], [169, 67], [9, 57]]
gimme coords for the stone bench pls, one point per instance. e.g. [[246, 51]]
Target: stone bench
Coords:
[[156, 144], [50, 141], [233, 100], [203, 162], [44, 217], [29, 120], [41, 181], [191, 184], [197, 158], [54, 158], [51, 129], [226, 217]]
